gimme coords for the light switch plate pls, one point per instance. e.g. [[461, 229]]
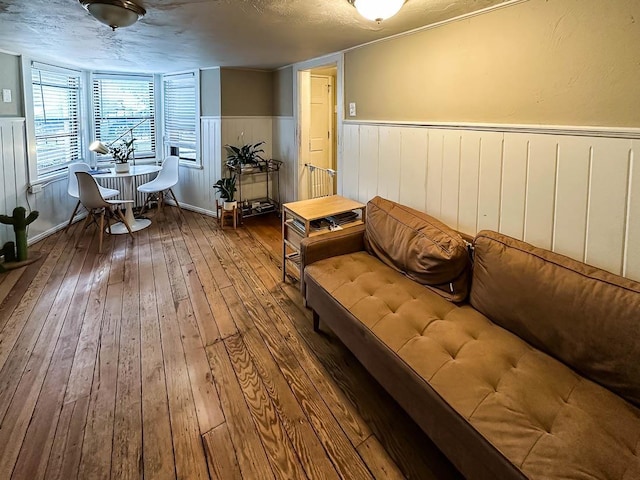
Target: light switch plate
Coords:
[[6, 95], [352, 109]]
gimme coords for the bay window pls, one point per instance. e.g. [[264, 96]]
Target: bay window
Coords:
[[181, 117], [123, 102], [56, 117]]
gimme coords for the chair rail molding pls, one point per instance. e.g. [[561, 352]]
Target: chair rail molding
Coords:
[[584, 131]]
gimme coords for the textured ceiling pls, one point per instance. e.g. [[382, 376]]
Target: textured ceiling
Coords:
[[183, 34]]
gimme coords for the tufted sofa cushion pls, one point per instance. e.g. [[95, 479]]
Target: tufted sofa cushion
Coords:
[[542, 416]]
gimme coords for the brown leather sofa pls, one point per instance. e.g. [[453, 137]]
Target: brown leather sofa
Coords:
[[536, 375]]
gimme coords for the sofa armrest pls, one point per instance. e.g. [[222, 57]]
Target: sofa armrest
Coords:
[[332, 244]]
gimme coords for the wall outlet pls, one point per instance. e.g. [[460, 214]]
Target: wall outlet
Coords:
[[6, 95], [35, 188], [352, 109]]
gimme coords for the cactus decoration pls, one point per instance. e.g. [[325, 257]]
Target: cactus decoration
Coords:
[[19, 220]]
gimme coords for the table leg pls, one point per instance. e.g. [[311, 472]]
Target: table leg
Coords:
[[134, 223], [128, 213]]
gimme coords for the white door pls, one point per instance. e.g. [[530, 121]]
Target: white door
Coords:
[[320, 142]]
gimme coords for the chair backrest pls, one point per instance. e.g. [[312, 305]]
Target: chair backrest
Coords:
[[89, 193], [169, 173], [72, 187]]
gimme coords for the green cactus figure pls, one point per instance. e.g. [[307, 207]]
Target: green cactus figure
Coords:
[[20, 222]]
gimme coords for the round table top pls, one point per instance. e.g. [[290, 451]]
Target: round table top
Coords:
[[134, 171]]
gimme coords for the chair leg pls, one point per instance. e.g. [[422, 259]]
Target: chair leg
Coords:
[[146, 202], [109, 217], [124, 220], [175, 199], [75, 210], [87, 220], [101, 228]]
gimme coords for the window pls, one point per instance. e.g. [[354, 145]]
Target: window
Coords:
[[180, 105], [123, 102], [56, 114]]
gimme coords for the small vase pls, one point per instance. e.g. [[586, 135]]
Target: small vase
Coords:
[[122, 167]]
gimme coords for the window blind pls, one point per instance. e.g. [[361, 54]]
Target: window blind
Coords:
[[180, 122], [121, 102], [56, 107]]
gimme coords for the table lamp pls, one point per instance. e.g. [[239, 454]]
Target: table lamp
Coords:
[[99, 147]]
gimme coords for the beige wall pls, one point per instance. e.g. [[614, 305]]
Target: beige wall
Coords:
[[283, 92], [247, 93], [561, 62], [210, 92], [10, 78]]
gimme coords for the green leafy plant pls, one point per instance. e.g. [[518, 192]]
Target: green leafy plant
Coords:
[[245, 155], [123, 152], [226, 187]]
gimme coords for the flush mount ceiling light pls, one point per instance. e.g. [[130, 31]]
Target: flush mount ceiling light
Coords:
[[377, 10], [115, 13]]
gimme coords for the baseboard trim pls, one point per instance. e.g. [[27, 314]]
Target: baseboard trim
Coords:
[[52, 230], [62, 226], [193, 208]]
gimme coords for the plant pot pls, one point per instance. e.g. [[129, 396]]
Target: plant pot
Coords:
[[122, 167], [229, 205]]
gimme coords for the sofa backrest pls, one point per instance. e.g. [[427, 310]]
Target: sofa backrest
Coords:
[[419, 246], [585, 317]]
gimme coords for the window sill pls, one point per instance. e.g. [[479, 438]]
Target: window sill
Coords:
[[195, 166], [47, 179]]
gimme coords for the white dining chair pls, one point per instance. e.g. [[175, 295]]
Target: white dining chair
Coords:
[[167, 178], [72, 187], [98, 207]]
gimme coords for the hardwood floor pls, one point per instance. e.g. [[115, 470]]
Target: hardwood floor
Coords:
[[180, 354]]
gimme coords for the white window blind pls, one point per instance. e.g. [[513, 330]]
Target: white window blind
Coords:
[[120, 103], [180, 116], [56, 108]]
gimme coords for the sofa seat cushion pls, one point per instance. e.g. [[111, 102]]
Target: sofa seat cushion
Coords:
[[542, 416]]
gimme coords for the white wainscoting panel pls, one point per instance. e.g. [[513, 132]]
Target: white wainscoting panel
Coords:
[[632, 240], [413, 167], [350, 161], [369, 157], [578, 195], [243, 130], [515, 168], [607, 207], [195, 189], [284, 149], [53, 203], [12, 170], [468, 184], [390, 144]]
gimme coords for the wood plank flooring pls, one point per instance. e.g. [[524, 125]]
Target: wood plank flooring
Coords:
[[181, 355]]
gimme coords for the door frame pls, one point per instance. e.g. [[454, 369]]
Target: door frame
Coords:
[[337, 60]]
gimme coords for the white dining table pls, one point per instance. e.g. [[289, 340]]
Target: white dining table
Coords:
[[134, 170]]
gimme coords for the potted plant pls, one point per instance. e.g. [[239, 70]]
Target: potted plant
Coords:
[[227, 189], [244, 157], [121, 155]]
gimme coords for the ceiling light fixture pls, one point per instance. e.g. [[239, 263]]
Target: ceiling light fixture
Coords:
[[377, 10], [115, 13]]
